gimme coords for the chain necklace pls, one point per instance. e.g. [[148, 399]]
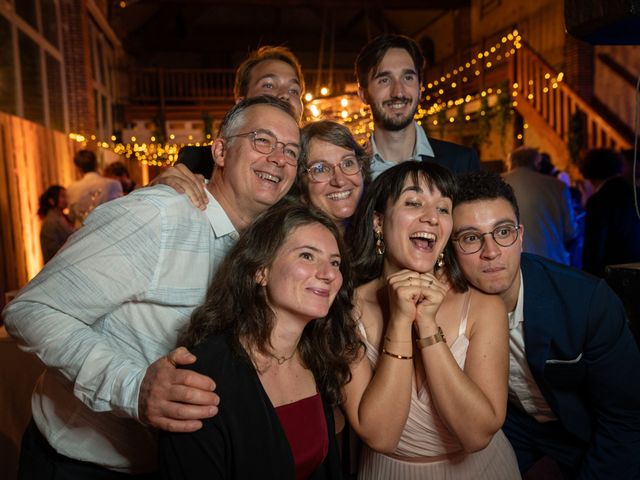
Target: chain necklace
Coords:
[[281, 358]]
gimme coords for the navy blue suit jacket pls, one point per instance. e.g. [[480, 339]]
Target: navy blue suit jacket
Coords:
[[457, 158], [586, 363]]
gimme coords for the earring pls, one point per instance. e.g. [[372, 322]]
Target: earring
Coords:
[[440, 262], [380, 247]]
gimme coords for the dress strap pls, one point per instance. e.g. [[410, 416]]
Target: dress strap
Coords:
[[465, 309]]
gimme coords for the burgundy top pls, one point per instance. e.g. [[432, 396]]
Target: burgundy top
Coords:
[[305, 426]]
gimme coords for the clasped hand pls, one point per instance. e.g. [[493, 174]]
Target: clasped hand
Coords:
[[415, 297]]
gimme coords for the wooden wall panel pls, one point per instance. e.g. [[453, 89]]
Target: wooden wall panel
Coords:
[[32, 158]]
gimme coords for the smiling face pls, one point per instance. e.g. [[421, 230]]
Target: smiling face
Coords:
[[493, 269], [305, 277], [248, 182], [415, 228], [338, 197], [393, 91], [276, 78]]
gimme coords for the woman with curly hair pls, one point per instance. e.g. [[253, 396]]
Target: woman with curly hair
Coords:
[[276, 334]]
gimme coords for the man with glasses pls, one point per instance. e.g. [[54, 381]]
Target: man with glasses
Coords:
[[268, 70], [573, 389], [104, 314]]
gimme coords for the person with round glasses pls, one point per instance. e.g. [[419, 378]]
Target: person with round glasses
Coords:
[[265, 142], [472, 241], [333, 170]]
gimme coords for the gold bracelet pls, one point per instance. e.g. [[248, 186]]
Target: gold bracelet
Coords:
[[401, 357], [426, 341]]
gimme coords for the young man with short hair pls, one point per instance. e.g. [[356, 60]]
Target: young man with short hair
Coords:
[[573, 389], [389, 71]]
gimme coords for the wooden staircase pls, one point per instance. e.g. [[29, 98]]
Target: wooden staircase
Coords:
[[548, 104]]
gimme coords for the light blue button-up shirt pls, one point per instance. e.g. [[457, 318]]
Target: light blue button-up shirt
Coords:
[[421, 150], [107, 306]]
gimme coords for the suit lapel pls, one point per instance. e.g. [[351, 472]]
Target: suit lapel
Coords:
[[539, 316]]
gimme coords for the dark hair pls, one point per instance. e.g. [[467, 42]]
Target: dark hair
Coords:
[[372, 53], [116, 169], [546, 166], [600, 164], [236, 304], [282, 54], [86, 161], [335, 134], [524, 157], [387, 188], [49, 199], [473, 186], [232, 118]]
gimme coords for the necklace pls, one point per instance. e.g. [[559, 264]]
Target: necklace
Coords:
[[281, 358]]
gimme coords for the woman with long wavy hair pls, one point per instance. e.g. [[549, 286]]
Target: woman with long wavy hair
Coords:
[[276, 334]]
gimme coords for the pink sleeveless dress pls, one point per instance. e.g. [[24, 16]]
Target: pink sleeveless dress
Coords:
[[425, 435]]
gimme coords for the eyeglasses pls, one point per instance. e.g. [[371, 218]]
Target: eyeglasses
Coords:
[[472, 242], [321, 172], [266, 142]]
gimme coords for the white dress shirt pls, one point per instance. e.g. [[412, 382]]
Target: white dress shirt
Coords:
[[523, 389], [108, 305]]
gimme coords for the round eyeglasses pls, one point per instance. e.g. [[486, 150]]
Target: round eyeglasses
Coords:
[[472, 242], [266, 142], [322, 172]]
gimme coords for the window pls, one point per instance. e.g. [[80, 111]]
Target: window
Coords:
[[31, 65], [8, 91], [56, 97], [31, 76]]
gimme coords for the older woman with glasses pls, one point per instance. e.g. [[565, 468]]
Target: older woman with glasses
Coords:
[[333, 170]]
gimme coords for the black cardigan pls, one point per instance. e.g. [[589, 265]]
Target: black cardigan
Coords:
[[245, 440]]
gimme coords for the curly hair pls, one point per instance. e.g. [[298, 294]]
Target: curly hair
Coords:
[[473, 186], [237, 305], [385, 189]]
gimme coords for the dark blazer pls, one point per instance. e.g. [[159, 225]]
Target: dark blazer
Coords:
[[457, 158], [245, 440], [197, 159], [612, 227], [586, 363]]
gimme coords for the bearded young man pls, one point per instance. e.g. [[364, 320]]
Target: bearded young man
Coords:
[[389, 71]]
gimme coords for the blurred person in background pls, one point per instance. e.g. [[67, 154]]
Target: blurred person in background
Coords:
[[56, 226], [545, 207], [119, 171], [612, 228], [91, 190]]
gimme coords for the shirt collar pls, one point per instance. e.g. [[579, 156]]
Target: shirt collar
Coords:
[[517, 316], [422, 148], [218, 219]]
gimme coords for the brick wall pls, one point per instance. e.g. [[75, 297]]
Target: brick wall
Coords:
[[77, 53]]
